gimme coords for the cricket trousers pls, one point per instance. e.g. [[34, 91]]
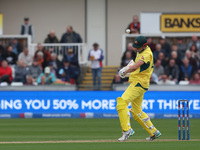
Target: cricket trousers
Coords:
[[134, 95]]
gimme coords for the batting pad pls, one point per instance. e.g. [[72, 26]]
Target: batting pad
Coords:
[[144, 120]]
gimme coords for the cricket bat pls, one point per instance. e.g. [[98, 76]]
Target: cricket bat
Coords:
[[131, 63]]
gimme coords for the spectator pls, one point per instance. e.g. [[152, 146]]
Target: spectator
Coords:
[[26, 57], [20, 72], [71, 36], [154, 78], [198, 69], [43, 80], [5, 72], [194, 52], [165, 81], [172, 70], [174, 47], [96, 57], [192, 61], [73, 60], [17, 48], [186, 70], [117, 79], [157, 51], [27, 29], [71, 57], [51, 38], [2, 51], [47, 77], [35, 70], [55, 63], [134, 27], [151, 44], [128, 58], [161, 57], [181, 48], [29, 80], [195, 79], [53, 70], [174, 56], [40, 60], [194, 41], [158, 69], [46, 53], [166, 48], [66, 72], [10, 56], [129, 48]]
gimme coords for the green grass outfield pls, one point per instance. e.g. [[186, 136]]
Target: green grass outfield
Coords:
[[90, 134]]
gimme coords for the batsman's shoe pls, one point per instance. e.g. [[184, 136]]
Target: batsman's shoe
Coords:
[[126, 135], [157, 135]]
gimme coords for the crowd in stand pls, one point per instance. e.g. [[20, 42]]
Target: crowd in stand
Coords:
[[44, 67], [176, 63]]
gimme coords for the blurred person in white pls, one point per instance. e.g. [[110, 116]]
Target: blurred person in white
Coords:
[[165, 81], [186, 70], [194, 41], [27, 29], [35, 70], [129, 48], [26, 57], [20, 72], [182, 47], [158, 69], [172, 71], [134, 26], [47, 76], [96, 56]]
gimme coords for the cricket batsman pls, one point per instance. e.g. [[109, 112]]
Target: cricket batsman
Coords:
[[139, 78]]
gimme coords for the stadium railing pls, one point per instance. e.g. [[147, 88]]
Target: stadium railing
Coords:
[[60, 49]]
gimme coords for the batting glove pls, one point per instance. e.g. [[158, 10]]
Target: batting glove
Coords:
[[122, 73]]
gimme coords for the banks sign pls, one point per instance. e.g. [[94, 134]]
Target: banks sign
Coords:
[[180, 22]]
